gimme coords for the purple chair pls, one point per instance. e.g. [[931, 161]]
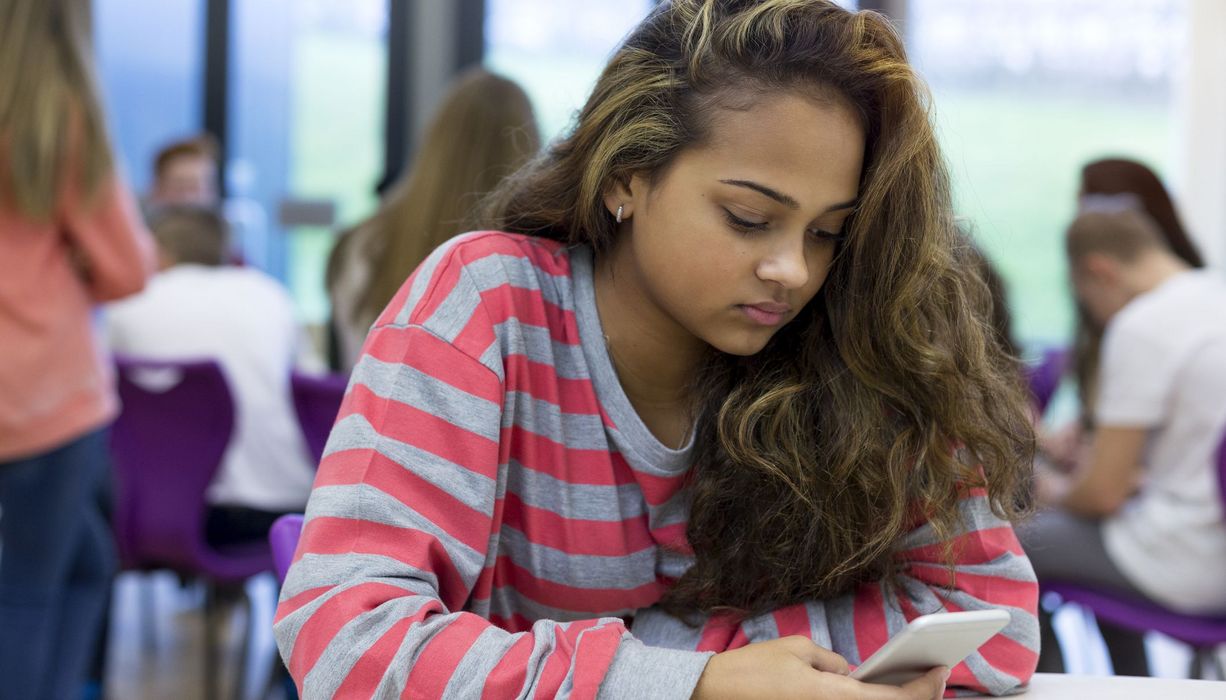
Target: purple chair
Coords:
[[167, 445], [1201, 632], [317, 400], [283, 537], [1044, 378]]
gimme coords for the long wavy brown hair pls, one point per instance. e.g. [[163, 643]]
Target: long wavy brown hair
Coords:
[[887, 397], [483, 131], [52, 129], [1121, 176]]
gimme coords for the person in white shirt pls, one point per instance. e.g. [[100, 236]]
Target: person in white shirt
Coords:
[[1142, 513], [242, 318]]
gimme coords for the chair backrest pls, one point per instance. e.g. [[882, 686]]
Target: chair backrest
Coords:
[[283, 538], [167, 445], [1044, 378], [317, 400], [1221, 469]]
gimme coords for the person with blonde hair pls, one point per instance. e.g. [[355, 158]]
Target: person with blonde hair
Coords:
[[70, 237], [711, 408], [483, 131]]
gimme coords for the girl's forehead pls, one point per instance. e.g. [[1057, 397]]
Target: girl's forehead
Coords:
[[789, 142]]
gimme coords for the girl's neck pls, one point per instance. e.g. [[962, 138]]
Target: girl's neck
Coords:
[[655, 359]]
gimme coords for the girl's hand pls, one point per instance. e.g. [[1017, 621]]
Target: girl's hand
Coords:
[[795, 667]]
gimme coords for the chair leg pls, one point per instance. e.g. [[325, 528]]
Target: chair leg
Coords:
[[278, 680], [211, 641], [1205, 665], [1209, 658], [240, 677], [146, 592]]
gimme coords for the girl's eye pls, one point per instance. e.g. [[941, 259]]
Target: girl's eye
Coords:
[[824, 235], [742, 225]]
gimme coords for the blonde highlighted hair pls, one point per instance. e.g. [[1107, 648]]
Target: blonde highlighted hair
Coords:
[[52, 131], [888, 397]]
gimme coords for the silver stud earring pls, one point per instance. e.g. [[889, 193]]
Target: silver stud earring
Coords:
[[620, 207]]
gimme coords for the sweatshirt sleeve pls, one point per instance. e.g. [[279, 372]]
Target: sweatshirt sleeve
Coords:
[[991, 572], [117, 252], [397, 534]]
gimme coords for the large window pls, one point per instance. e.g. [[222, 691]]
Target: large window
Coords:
[[339, 78], [306, 130], [306, 103], [1028, 91], [556, 49]]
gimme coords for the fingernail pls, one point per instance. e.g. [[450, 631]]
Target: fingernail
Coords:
[[945, 674]]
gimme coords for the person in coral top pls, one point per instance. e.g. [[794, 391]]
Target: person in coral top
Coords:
[[711, 409], [70, 237]]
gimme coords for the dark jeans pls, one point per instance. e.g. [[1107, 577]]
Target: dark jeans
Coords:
[[1064, 547], [56, 563]]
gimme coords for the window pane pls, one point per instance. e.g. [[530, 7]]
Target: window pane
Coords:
[[340, 80], [150, 65], [1028, 91], [307, 105], [556, 49]]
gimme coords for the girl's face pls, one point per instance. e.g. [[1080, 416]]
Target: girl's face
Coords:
[[737, 235]]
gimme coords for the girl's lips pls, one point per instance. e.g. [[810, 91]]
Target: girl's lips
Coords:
[[766, 314]]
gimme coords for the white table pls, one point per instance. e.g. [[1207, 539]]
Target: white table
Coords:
[[1051, 686]]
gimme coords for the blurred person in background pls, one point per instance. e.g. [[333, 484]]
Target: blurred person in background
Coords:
[[708, 408], [1141, 514], [185, 174], [483, 131], [1102, 181], [70, 236], [1108, 184], [197, 307]]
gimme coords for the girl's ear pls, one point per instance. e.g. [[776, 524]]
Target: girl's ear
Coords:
[[619, 196]]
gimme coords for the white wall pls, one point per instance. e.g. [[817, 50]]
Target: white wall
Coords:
[[1200, 176]]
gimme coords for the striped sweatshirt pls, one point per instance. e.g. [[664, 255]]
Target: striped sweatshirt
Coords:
[[490, 511]]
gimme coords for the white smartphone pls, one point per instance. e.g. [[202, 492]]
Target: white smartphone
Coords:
[[940, 639]]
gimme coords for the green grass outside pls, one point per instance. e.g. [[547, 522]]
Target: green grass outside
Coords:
[[336, 151], [1015, 160], [558, 85]]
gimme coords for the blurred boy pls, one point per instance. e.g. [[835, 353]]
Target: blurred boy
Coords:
[[1143, 513], [244, 319], [185, 174]]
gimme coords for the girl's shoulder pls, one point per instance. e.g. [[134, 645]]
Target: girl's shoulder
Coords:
[[485, 260], [486, 274], [489, 251]]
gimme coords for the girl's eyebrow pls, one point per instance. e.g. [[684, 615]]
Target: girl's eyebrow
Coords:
[[787, 201]]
